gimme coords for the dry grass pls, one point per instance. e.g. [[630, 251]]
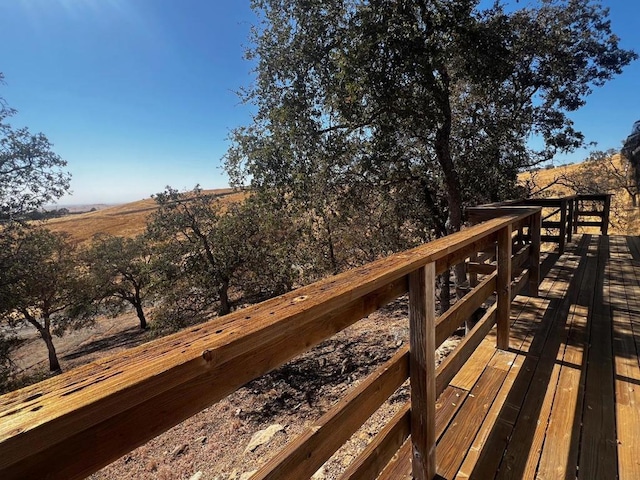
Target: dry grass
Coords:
[[126, 220], [625, 218]]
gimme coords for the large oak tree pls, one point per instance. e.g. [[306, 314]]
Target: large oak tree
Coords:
[[430, 103]]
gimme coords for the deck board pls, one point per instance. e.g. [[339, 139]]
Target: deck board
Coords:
[[566, 404], [598, 452], [624, 291]]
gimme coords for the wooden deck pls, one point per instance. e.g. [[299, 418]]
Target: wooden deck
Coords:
[[564, 401]]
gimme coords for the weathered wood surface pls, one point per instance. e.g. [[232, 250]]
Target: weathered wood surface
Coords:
[[569, 406], [422, 328]]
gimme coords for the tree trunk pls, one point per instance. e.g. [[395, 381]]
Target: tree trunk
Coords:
[[452, 180], [137, 304], [223, 292], [443, 291], [54, 364], [141, 317]]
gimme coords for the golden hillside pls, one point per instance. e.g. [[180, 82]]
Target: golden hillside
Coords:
[[125, 220], [556, 182]]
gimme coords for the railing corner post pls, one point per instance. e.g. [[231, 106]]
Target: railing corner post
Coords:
[[422, 324], [504, 286]]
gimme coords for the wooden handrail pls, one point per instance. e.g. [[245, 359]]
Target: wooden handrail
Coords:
[[71, 425], [567, 207]]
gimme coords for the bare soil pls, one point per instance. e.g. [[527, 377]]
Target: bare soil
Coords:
[[212, 444]]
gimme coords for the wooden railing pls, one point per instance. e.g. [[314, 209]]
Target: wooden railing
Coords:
[[561, 216], [590, 207], [72, 425]]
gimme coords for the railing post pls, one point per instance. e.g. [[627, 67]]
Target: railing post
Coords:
[[563, 225], [570, 219], [535, 227], [605, 214], [422, 324], [504, 286]]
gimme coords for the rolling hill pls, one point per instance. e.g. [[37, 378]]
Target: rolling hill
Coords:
[[125, 220]]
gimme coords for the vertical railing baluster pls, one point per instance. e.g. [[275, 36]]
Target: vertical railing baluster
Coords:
[[535, 226], [504, 286], [570, 219], [563, 225], [422, 323], [605, 214]]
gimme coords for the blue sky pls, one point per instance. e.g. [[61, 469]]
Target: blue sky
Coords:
[[139, 94]]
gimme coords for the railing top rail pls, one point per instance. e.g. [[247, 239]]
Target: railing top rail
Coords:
[[194, 363], [547, 201]]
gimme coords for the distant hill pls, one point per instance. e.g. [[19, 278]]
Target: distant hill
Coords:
[[125, 220]]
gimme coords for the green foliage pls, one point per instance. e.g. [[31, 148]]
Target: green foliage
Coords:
[[209, 251], [120, 273], [31, 174], [42, 286], [430, 103]]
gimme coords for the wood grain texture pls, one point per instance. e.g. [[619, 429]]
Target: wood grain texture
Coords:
[[503, 312], [382, 448], [598, 448], [422, 328], [449, 322], [625, 300], [452, 364], [534, 258]]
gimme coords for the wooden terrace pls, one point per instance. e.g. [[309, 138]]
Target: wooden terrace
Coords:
[[546, 385]]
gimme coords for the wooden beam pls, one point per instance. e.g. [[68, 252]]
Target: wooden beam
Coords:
[[456, 359], [49, 429], [377, 454], [534, 255], [461, 254], [463, 309], [481, 268], [504, 287], [605, 217], [310, 450], [422, 315], [63, 450], [563, 225], [519, 258]]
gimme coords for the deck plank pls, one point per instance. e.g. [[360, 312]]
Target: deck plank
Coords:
[[598, 452], [624, 292], [457, 439], [567, 404], [561, 443], [536, 391], [485, 453]]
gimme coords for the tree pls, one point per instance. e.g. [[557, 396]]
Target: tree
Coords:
[[120, 271], [31, 174], [45, 288], [432, 102], [208, 248]]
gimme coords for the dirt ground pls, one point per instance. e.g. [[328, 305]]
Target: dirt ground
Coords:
[[213, 445]]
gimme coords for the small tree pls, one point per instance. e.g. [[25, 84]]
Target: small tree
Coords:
[[45, 287], [208, 249], [120, 272], [31, 173]]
